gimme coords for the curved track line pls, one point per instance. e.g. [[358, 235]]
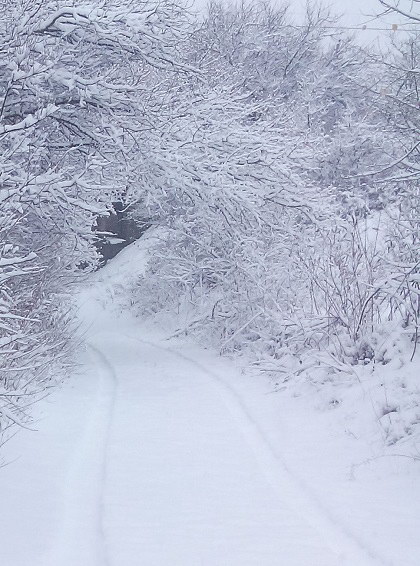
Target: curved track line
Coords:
[[350, 550], [81, 538], [110, 409]]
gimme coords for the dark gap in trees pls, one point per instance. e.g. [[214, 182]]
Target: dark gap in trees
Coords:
[[117, 230]]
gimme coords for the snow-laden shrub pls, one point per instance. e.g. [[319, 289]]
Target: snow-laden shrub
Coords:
[[276, 194]]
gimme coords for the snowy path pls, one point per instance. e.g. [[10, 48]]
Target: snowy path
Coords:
[[152, 459], [166, 456], [171, 470], [166, 467]]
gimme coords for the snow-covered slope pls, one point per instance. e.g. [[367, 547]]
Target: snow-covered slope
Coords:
[[159, 453]]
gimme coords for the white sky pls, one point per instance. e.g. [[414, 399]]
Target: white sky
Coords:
[[357, 13], [353, 10], [354, 13]]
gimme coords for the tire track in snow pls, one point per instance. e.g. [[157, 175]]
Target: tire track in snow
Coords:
[[112, 379], [81, 539], [351, 551]]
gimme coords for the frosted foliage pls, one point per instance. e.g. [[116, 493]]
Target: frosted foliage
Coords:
[[285, 193], [72, 77]]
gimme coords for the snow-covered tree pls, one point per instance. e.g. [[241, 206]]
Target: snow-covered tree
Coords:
[[77, 86], [277, 228], [407, 8]]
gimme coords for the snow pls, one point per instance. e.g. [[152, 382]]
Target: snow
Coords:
[[159, 452]]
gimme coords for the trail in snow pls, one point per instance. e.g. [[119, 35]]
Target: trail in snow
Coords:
[[184, 487], [151, 457], [184, 475]]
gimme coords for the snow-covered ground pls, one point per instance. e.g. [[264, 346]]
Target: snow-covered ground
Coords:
[[159, 453]]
